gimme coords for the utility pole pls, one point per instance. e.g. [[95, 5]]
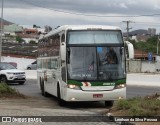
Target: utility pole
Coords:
[[158, 43], [128, 28], [1, 35]]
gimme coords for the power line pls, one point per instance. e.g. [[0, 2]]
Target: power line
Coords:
[[95, 15], [149, 23]]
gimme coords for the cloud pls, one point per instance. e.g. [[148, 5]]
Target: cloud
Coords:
[[43, 12], [89, 6], [123, 5]]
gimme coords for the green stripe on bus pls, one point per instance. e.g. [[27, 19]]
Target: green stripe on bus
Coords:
[[103, 83]]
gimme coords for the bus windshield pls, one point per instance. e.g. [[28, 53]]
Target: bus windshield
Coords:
[[96, 63], [94, 37]]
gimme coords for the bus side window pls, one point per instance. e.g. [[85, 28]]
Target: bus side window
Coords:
[[49, 64], [54, 64]]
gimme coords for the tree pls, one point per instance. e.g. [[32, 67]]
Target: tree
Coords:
[[19, 39], [35, 26], [47, 28], [149, 46]]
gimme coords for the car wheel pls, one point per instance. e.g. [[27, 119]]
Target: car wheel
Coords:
[[3, 79], [21, 83]]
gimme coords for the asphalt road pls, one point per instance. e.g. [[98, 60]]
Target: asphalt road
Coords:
[[30, 88], [142, 91]]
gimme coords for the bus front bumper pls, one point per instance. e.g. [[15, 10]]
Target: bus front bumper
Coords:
[[79, 95]]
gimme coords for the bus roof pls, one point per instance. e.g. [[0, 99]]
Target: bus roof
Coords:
[[81, 27]]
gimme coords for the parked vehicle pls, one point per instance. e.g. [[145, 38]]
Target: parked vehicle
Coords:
[[32, 66], [9, 74], [13, 64]]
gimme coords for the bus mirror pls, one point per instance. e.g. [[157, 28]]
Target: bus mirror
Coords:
[[130, 49], [63, 51]]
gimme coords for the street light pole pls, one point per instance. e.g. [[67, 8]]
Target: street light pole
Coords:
[[1, 32]]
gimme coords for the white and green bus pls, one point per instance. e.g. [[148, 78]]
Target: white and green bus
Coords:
[[83, 63]]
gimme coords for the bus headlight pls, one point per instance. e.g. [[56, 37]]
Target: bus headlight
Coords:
[[71, 86], [120, 86]]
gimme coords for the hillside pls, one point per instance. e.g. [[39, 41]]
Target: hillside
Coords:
[[136, 32], [5, 22]]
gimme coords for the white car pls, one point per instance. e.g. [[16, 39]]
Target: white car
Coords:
[[9, 74], [32, 66]]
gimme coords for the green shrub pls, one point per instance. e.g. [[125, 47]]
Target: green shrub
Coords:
[[8, 92], [123, 104], [139, 106]]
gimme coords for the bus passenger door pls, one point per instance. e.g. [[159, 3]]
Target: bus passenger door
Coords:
[[54, 68]]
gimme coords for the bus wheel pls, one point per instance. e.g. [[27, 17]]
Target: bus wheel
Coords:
[[40, 84], [109, 103], [45, 94], [60, 101]]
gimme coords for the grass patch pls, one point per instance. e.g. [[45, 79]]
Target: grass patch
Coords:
[[138, 106], [8, 92]]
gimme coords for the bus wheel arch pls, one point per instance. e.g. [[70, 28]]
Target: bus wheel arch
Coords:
[[61, 102], [58, 91], [43, 91], [40, 83]]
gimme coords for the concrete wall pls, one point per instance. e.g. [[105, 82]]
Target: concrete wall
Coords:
[[148, 67], [138, 66], [134, 66]]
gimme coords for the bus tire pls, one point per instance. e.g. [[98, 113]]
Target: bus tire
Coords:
[[109, 103], [60, 101], [40, 83], [44, 93]]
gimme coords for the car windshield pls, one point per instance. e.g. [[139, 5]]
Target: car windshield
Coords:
[[96, 63], [4, 66]]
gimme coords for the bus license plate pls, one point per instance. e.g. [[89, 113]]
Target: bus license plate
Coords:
[[97, 95]]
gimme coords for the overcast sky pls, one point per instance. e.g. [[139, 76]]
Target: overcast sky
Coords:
[[102, 12]]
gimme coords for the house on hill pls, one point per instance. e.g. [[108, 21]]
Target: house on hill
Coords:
[[29, 35], [10, 32], [13, 28]]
